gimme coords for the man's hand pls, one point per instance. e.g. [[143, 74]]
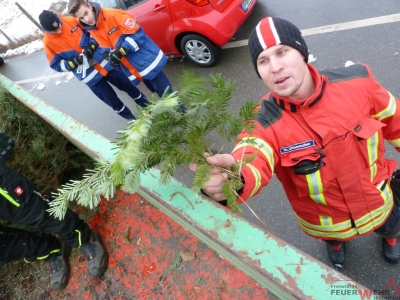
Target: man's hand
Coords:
[[89, 50], [76, 61], [6, 146], [214, 185], [115, 56]]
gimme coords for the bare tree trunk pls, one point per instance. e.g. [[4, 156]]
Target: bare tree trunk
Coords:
[[29, 16], [9, 40]]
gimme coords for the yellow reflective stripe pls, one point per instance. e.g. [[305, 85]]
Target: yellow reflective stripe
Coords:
[[261, 145], [387, 197], [315, 187], [363, 224], [332, 227], [5, 194], [373, 170], [387, 193], [326, 221], [395, 143], [372, 148], [373, 223], [257, 178], [51, 252], [334, 234], [79, 237], [389, 110]]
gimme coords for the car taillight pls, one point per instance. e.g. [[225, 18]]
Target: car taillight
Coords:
[[198, 2]]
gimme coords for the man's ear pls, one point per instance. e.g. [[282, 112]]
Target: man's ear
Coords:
[[90, 6]]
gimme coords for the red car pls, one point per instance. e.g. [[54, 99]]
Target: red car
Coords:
[[196, 29]]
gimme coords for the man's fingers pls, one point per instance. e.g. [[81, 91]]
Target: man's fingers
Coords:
[[221, 160], [193, 167]]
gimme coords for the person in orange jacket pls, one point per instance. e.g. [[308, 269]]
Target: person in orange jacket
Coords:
[[69, 48], [122, 41], [322, 133]]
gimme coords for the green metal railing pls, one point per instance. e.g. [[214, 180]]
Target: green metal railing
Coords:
[[284, 270]]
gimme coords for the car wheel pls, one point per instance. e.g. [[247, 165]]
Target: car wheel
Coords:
[[1, 61], [200, 50]]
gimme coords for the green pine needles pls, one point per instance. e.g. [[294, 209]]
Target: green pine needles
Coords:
[[165, 137]]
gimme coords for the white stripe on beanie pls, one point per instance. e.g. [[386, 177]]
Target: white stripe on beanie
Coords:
[[274, 32], [259, 36]]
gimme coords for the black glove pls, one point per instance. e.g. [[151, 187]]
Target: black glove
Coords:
[[89, 50], [6, 146], [76, 61], [395, 186], [115, 56]]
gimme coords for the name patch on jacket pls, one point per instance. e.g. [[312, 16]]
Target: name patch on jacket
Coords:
[[298, 146], [74, 29], [112, 30], [130, 23]]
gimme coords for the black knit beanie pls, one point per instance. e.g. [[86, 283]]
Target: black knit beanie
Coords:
[[49, 20], [274, 31]]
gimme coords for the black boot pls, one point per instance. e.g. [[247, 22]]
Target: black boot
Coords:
[[95, 254], [337, 253], [60, 268], [391, 250]]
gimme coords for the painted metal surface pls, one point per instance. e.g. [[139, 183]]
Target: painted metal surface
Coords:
[[284, 270]]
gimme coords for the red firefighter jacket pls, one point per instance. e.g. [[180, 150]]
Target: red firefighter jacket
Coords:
[[341, 128]]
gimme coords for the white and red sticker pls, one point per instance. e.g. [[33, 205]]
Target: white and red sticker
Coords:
[[130, 23], [19, 191]]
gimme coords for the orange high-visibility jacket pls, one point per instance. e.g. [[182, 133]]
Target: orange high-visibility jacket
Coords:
[[62, 47], [341, 127], [115, 28]]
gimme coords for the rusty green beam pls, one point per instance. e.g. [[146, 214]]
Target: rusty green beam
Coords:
[[284, 270]]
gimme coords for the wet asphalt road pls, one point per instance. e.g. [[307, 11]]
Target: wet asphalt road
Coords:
[[377, 45]]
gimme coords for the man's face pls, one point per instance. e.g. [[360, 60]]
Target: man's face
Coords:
[[283, 69], [86, 15]]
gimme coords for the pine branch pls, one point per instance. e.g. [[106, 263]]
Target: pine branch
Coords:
[[162, 136], [86, 192]]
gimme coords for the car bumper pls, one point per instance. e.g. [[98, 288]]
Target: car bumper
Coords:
[[220, 27]]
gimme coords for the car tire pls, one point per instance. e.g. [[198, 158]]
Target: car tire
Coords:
[[200, 50], [1, 61]]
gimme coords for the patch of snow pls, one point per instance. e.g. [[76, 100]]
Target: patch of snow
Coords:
[[16, 25]]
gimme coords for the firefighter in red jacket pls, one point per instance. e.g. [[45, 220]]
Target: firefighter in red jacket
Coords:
[[322, 134]]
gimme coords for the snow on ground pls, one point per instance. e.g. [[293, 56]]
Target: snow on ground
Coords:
[[16, 25]]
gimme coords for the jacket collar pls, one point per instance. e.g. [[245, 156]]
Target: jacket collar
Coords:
[[294, 106]]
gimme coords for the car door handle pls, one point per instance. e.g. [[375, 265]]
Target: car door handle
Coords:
[[159, 7]]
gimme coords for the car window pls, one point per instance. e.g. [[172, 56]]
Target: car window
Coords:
[[107, 3], [130, 3]]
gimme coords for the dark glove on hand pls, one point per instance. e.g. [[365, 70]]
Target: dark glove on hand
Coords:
[[6, 146], [76, 61], [115, 55], [395, 186], [89, 50]]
